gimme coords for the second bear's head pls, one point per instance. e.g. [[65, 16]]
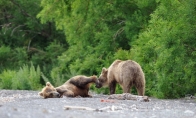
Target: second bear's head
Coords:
[[49, 91], [102, 80]]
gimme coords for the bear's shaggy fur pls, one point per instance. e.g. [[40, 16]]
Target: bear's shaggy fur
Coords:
[[127, 73], [75, 86]]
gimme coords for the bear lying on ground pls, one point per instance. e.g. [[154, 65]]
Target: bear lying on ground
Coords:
[[75, 86], [127, 73]]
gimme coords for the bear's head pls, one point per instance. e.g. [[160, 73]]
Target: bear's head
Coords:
[[49, 91], [102, 80]]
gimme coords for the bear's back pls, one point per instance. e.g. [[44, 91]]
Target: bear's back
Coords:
[[124, 69], [129, 67], [119, 65]]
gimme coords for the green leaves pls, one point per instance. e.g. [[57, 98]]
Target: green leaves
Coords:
[[6, 79], [25, 39], [27, 78], [98, 32], [162, 49], [159, 34]]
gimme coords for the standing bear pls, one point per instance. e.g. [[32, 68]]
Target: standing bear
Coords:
[[127, 73], [75, 86]]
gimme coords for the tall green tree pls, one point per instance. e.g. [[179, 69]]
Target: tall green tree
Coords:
[[23, 39], [98, 32], [166, 49]]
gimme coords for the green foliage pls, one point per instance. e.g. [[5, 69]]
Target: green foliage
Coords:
[[58, 79], [100, 90], [48, 58], [95, 31], [159, 34], [24, 39], [122, 54], [166, 50], [17, 56], [6, 79], [98, 32], [4, 55], [27, 78], [3, 52]]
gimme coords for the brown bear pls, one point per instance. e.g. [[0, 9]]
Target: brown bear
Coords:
[[49, 91], [127, 73], [75, 86]]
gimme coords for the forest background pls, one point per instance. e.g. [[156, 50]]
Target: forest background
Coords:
[[53, 40]]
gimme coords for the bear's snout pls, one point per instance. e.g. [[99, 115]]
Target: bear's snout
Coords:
[[98, 84], [56, 95]]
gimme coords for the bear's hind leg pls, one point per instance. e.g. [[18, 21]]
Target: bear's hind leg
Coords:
[[64, 92], [126, 88], [140, 86], [82, 81], [140, 91], [68, 93], [112, 87]]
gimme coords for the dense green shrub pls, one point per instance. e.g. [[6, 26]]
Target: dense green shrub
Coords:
[[4, 55], [24, 39], [166, 50], [26, 78], [47, 59], [6, 79], [12, 58]]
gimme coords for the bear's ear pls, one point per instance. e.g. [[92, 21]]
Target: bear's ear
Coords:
[[48, 84], [104, 70], [40, 93]]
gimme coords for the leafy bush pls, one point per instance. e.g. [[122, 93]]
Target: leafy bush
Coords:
[[24, 39], [12, 58], [4, 55], [26, 78], [166, 50], [122, 55], [58, 79], [6, 79]]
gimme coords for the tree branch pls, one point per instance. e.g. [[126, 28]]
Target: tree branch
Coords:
[[22, 11], [16, 28], [118, 32]]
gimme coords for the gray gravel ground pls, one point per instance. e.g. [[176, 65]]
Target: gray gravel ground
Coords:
[[27, 104]]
